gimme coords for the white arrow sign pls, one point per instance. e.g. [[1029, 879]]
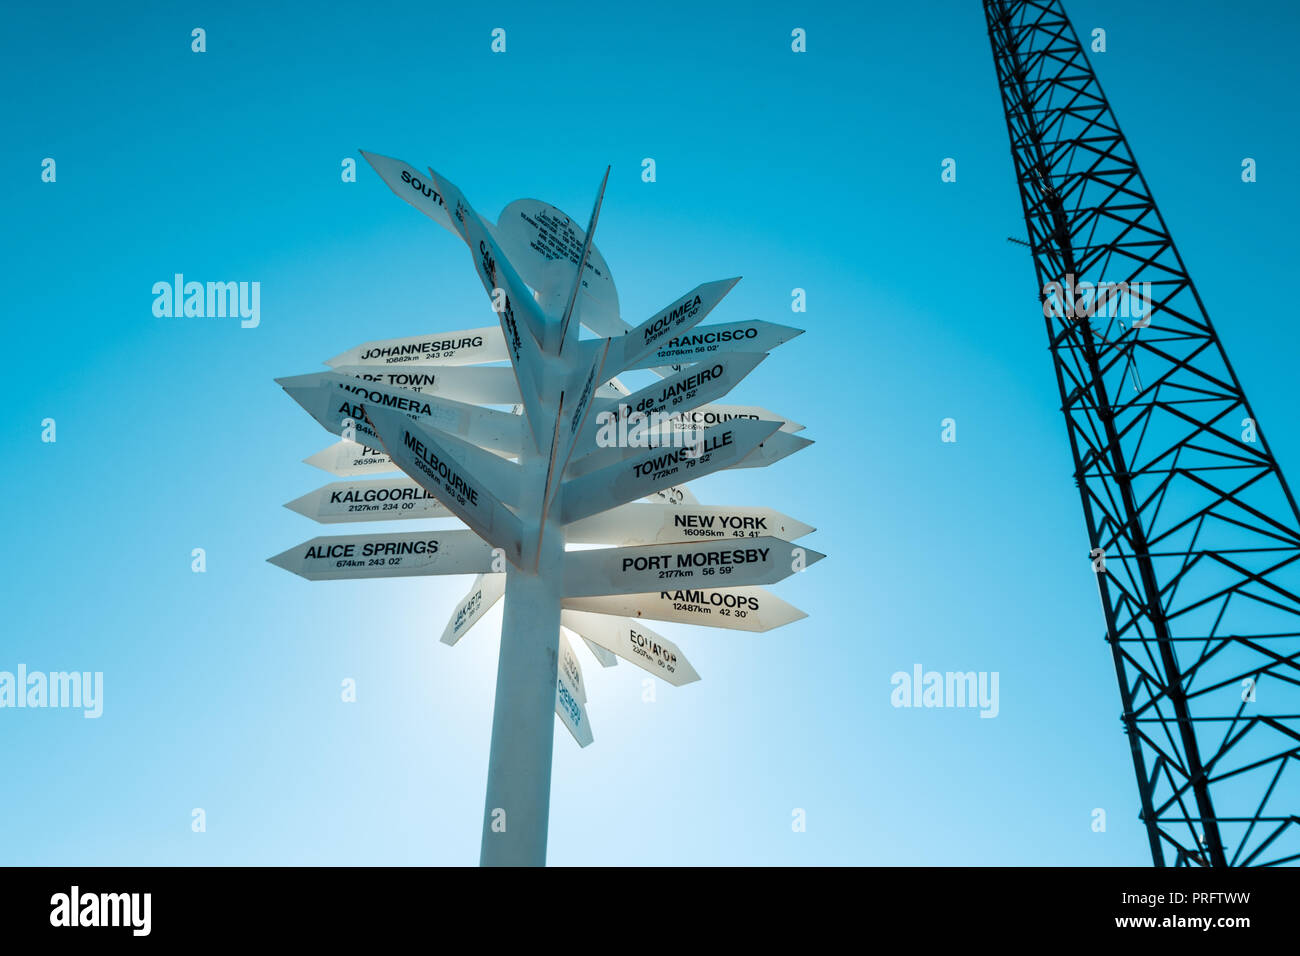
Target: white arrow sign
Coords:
[[571, 711], [570, 669], [483, 594], [336, 400], [702, 343], [780, 445], [606, 658], [544, 245], [676, 317], [467, 347], [634, 642], [647, 407], [634, 570], [511, 299], [376, 500], [639, 523], [347, 459], [488, 385], [387, 555], [412, 186], [741, 609], [706, 416], [459, 484], [645, 471]]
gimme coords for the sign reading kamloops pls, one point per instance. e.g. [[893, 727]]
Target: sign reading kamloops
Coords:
[[634, 642], [427, 458], [483, 594], [763, 560], [741, 609], [644, 473], [638, 523], [347, 459], [387, 555], [377, 500], [703, 342], [472, 346]]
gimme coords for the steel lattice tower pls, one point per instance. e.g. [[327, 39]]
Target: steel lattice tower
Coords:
[[1194, 534]]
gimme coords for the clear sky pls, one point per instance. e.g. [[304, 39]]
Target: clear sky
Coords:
[[819, 171]]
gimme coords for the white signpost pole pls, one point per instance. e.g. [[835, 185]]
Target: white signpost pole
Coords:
[[528, 486], [518, 801]]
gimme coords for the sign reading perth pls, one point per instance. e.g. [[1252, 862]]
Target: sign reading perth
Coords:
[[581, 459]]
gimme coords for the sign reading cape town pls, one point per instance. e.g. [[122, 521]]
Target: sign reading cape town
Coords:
[[557, 443]]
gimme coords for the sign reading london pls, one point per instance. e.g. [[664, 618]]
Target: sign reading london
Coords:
[[561, 461]]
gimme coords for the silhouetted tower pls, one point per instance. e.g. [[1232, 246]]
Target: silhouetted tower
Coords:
[[1194, 534]]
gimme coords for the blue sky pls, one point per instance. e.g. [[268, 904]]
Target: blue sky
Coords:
[[818, 171]]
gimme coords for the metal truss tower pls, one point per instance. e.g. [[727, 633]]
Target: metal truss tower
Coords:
[[1194, 534]]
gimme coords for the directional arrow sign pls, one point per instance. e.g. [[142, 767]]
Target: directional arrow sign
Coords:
[[335, 401], [412, 186], [606, 658], [693, 563], [489, 385], [571, 711], [676, 317], [682, 391], [571, 670], [377, 500], [706, 341], [485, 592], [387, 555], [645, 471], [431, 460], [544, 245], [639, 523], [510, 297], [779, 446], [347, 459], [466, 347], [634, 642], [705, 416], [741, 609]]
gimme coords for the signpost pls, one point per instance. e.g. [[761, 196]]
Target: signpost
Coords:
[[528, 485]]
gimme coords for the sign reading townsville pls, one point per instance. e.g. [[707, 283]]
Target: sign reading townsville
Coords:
[[532, 438]]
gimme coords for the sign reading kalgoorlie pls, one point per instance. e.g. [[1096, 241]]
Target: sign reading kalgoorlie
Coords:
[[380, 499], [588, 455]]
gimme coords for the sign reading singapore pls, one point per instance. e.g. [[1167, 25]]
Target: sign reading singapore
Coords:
[[551, 450]]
